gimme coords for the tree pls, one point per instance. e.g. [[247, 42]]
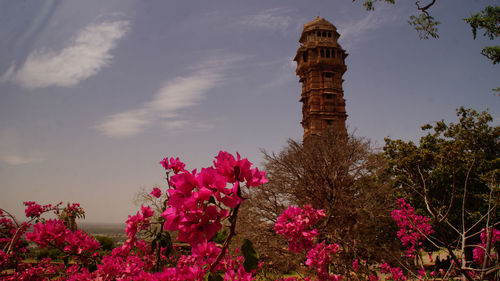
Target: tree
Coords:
[[426, 25], [452, 176], [488, 20], [344, 177]]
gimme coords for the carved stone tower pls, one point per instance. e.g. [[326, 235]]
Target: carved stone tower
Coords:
[[320, 66]]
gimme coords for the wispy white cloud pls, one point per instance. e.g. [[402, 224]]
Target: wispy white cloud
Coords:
[[353, 30], [83, 57], [15, 150], [272, 19], [15, 160], [125, 124], [175, 95], [284, 74]]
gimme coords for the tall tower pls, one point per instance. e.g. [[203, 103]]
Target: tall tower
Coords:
[[320, 66]]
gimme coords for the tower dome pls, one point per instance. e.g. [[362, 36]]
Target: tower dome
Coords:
[[320, 67]]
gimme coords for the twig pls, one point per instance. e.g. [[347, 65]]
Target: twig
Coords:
[[425, 8], [232, 231]]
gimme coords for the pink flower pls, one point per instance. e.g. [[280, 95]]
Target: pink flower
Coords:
[[385, 268], [421, 273], [296, 225], [238, 169], [175, 164], [478, 252], [79, 242], [355, 265], [33, 210], [156, 192], [396, 272], [412, 228], [147, 212], [52, 232], [319, 258]]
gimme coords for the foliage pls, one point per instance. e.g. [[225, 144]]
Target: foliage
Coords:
[[454, 164], [106, 243], [487, 20], [425, 25], [53, 254], [492, 53], [452, 176]]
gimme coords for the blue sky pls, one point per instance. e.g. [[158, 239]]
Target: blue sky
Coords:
[[94, 93]]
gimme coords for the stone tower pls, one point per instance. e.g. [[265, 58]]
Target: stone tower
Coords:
[[320, 66]]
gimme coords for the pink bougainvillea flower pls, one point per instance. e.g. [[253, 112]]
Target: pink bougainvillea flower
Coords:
[[478, 252], [156, 192], [33, 210], [355, 265], [319, 257], [175, 164], [256, 177], [396, 272], [297, 224], [52, 232], [413, 228]]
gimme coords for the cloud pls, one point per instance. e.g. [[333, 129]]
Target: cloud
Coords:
[[175, 95], [284, 74], [15, 160], [83, 57], [271, 19], [354, 30], [125, 124]]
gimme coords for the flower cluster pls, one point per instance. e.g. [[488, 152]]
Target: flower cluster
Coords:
[[396, 272], [173, 164], [192, 207], [479, 251], [54, 233], [412, 227], [297, 225], [319, 258], [138, 221], [74, 210], [34, 210]]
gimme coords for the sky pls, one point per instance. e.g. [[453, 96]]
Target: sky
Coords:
[[93, 94]]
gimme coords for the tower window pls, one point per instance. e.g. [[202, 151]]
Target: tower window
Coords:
[[329, 96], [327, 53], [322, 53], [324, 34], [319, 33], [328, 74], [304, 56], [328, 122], [329, 34]]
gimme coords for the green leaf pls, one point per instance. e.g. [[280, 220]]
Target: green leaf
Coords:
[[213, 277], [251, 256]]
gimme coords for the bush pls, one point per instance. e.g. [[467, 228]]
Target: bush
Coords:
[[107, 243]]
